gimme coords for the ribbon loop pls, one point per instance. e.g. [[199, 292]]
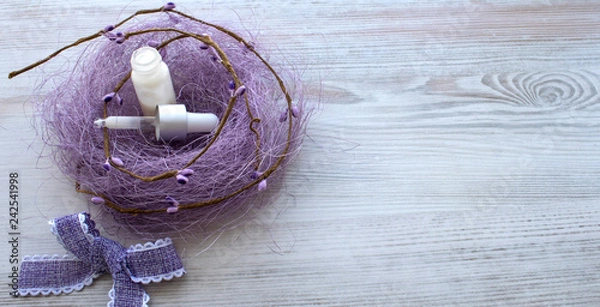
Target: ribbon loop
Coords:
[[76, 234], [94, 255]]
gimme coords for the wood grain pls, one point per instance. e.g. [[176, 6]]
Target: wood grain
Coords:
[[453, 162]]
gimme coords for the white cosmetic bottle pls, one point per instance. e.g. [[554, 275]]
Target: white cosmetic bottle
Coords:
[[151, 80]]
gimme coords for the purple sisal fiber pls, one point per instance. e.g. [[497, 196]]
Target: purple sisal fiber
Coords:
[[68, 111]]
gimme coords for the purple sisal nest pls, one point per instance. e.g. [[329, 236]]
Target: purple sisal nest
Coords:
[[226, 178]]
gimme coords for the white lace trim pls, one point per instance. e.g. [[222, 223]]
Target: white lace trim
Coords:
[[111, 295], [149, 245], [84, 227], [56, 291], [47, 257], [158, 278]]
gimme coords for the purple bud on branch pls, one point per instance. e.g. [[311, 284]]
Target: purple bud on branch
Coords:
[[109, 28], [240, 91], [116, 161], [186, 172], [172, 201], [231, 85], [109, 97], [112, 95], [216, 57], [98, 200], [119, 99], [169, 6], [255, 175], [181, 179], [262, 185], [120, 40], [172, 209], [283, 116], [295, 111], [106, 165], [111, 36]]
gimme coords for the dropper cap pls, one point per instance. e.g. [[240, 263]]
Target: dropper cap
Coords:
[[173, 122]]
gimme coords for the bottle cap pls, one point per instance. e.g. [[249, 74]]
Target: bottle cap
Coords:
[[173, 122]]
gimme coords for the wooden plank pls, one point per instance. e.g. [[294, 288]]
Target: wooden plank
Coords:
[[454, 160]]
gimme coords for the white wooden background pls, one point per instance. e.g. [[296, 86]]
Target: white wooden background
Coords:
[[454, 161]]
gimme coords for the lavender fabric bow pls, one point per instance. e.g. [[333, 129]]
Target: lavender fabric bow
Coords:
[[94, 255]]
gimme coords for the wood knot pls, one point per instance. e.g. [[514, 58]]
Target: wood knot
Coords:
[[564, 89]]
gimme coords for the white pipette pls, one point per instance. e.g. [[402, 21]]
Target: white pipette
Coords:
[[172, 122]]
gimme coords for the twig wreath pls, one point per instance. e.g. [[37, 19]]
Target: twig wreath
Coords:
[[153, 189]]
